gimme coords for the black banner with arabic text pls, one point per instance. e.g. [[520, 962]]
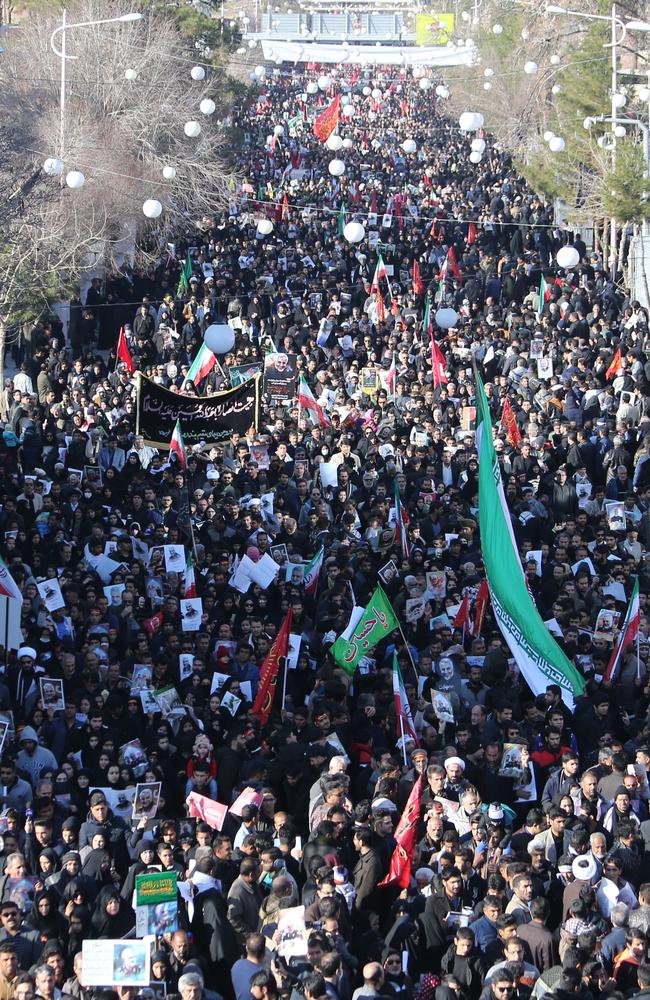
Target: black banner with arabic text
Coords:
[[209, 419]]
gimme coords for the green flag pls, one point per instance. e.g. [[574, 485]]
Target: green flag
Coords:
[[536, 653], [186, 274], [341, 218], [376, 622]]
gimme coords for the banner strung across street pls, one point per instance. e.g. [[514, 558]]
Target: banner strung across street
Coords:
[[209, 419]]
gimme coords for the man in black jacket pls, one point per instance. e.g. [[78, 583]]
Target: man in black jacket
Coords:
[[214, 937]]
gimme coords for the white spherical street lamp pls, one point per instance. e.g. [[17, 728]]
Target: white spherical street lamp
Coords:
[[75, 179], [152, 208]]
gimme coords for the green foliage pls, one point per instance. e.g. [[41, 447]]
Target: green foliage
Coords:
[[197, 27], [625, 186]]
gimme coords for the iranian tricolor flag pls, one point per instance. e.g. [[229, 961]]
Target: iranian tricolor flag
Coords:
[[379, 275], [8, 586], [401, 524], [307, 400], [538, 656], [405, 724], [312, 572], [626, 636], [202, 365], [177, 445], [544, 294], [190, 579]]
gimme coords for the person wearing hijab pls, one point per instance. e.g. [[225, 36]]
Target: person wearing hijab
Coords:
[[145, 853], [112, 917], [45, 918]]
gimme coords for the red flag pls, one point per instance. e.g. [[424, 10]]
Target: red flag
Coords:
[[480, 607], [123, 352], [615, 366], [406, 834], [418, 284], [285, 209], [451, 264], [438, 366], [327, 120], [471, 234], [509, 424], [269, 672], [151, 625], [462, 618]]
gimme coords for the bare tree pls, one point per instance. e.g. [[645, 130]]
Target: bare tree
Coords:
[[119, 132]]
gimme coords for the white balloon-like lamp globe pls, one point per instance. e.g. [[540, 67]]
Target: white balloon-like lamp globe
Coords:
[[354, 232], [219, 338], [53, 166], [207, 106], [336, 168], [152, 208], [264, 227], [197, 73], [567, 257], [75, 179], [192, 130], [446, 318]]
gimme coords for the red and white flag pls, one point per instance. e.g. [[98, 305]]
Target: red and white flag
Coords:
[[312, 572], [462, 619], [405, 724], [190, 579], [177, 445], [626, 636], [308, 402]]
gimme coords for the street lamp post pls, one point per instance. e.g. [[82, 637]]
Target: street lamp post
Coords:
[[616, 24], [63, 55]]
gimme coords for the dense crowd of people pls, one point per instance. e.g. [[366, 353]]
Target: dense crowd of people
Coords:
[[533, 880]]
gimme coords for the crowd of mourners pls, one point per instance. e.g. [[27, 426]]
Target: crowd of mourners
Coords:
[[533, 883]]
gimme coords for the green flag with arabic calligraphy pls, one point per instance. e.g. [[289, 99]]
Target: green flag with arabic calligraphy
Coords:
[[375, 624]]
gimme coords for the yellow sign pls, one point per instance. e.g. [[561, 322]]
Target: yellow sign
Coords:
[[433, 29]]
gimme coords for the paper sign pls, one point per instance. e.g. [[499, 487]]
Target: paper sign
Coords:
[[211, 812], [174, 558], [145, 802], [329, 474], [141, 677], [264, 571], [231, 702], [606, 624], [191, 614], [292, 932], [116, 963], [50, 593], [442, 706], [247, 798], [294, 651], [52, 697], [185, 665]]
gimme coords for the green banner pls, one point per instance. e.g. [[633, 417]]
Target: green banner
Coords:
[[376, 622], [155, 887]]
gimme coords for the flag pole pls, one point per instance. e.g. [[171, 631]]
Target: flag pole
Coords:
[[401, 727], [408, 650], [285, 670], [638, 657]]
